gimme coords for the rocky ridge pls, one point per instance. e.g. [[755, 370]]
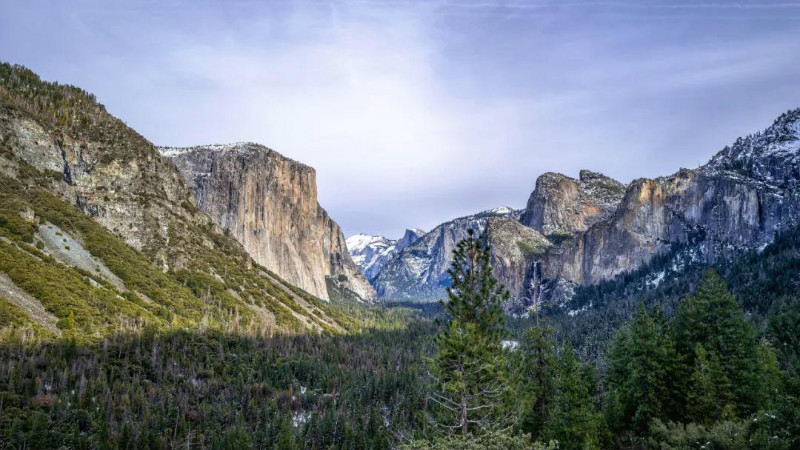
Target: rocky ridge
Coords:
[[594, 228], [560, 205], [738, 200], [65, 160]]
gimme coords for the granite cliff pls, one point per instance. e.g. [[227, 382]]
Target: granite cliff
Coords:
[[738, 200], [419, 272], [269, 203]]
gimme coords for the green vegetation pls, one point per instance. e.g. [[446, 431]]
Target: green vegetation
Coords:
[[702, 377], [191, 296], [155, 390], [530, 251], [469, 367], [12, 315], [209, 354], [558, 237], [211, 282]]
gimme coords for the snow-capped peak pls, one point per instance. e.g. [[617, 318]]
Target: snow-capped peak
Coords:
[[500, 211], [359, 241], [371, 253], [177, 151], [770, 156]]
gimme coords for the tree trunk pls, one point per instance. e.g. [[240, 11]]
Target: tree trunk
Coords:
[[463, 415]]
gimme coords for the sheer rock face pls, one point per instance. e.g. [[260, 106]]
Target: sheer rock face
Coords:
[[562, 205], [269, 203], [739, 200], [514, 249]]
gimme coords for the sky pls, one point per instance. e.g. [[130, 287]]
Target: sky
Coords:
[[414, 112]]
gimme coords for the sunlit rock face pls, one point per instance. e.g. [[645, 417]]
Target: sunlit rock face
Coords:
[[269, 203], [738, 200]]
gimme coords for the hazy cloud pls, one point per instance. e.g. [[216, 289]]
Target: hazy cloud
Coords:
[[414, 112]]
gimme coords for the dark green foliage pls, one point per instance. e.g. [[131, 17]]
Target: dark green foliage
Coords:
[[709, 389], [534, 373], [214, 390], [574, 420], [469, 367], [712, 319], [641, 378], [489, 441], [703, 376]]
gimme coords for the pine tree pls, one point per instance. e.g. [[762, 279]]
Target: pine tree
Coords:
[[709, 389], [642, 374], [536, 364], [574, 421], [469, 365], [712, 317]]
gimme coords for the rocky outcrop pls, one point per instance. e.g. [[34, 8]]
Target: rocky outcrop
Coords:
[[371, 253], [561, 206], [269, 203], [515, 248], [419, 272], [108, 171], [739, 200]]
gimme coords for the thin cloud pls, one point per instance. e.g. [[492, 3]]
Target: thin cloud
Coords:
[[415, 112]]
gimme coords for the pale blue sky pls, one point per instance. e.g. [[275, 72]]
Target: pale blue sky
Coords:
[[415, 112]]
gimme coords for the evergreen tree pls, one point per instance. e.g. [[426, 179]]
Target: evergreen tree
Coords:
[[469, 365], [642, 373], [712, 317], [709, 389], [536, 362], [573, 421]]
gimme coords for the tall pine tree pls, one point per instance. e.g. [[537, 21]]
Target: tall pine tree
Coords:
[[712, 318], [469, 367], [535, 371], [573, 420], [642, 374]]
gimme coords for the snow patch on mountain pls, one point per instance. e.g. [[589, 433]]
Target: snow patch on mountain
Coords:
[[371, 253], [419, 271]]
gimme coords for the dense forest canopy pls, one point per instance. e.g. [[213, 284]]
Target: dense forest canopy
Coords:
[[706, 375]]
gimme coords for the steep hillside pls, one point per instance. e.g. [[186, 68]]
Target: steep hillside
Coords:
[[764, 280], [515, 251], [72, 171], [268, 203], [371, 253]]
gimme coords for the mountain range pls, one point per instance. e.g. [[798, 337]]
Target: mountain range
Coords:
[[578, 232], [101, 229]]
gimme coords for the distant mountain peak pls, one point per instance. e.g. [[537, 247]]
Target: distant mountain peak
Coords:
[[371, 253], [770, 156]]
